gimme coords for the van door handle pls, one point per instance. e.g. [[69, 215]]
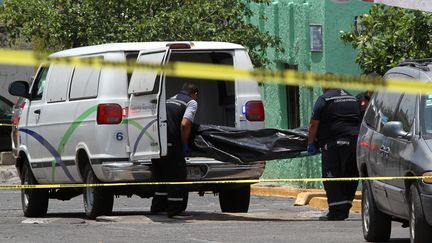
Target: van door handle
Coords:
[[38, 111], [153, 101]]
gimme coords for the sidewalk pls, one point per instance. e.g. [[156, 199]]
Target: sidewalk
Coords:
[[315, 198]]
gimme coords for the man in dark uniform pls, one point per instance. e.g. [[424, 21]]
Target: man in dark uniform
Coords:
[[181, 110], [363, 100], [364, 97], [335, 125]]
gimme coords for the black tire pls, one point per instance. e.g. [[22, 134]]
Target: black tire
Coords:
[[376, 224], [420, 230], [235, 200], [34, 201], [98, 201]]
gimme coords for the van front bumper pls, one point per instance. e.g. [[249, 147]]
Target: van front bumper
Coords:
[[197, 169]]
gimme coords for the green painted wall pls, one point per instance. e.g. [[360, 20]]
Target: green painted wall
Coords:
[[290, 20]]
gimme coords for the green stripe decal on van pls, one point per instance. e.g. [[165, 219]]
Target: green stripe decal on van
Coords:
[[75, 124], [69, 133], [139, 127]]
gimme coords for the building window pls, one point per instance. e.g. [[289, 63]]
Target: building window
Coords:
[[316, 38], [293, 97]]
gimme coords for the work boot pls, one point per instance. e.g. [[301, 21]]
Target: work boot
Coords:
[[159, 204], [333, 217], [179, 215], [157, 210]]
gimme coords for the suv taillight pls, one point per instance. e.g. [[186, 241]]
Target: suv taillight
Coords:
[[254, 110], [109, 114]]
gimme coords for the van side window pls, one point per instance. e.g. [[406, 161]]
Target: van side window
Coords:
[[426, 112], [58, 82], [85, 83], [39, 84], [406, 111], [387, 103], [371, 113]]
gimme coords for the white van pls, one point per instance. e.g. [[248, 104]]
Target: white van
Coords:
[[91, 125]]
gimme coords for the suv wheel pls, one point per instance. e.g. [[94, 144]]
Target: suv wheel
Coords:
[[235, 200], [376, 224], [34, 201], [97, 200], [420, 230]]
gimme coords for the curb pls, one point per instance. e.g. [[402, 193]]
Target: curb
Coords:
[[315, 198], [7, 158], [8, 174]]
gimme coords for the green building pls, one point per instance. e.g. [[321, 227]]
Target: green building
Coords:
[[310, 31]]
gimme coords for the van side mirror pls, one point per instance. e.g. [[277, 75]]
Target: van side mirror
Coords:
[[395, 129], [19, 88]]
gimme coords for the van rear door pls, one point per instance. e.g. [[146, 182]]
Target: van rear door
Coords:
[[146, 114]]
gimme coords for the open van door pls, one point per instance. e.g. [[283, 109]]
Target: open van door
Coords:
[[147, 130]]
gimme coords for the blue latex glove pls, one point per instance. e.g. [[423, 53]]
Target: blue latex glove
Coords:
[[185, 148], [312, 149]]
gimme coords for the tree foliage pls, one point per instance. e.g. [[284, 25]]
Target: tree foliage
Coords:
[[52, 25], [390, 35]]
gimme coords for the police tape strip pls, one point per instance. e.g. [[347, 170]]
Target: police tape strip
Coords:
[[226, 72], [220, 72], [76, 185]]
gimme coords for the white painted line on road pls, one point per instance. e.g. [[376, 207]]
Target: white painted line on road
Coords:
[[311, 214], [39, 220], [201, 240]]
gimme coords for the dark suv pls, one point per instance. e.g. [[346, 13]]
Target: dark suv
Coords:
[[396, 140]]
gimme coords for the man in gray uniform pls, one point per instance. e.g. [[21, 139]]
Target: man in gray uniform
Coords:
[[181, 110]]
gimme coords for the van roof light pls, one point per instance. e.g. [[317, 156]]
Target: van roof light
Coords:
[[179, 45]]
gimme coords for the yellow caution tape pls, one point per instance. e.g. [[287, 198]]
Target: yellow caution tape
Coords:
[[226, 72], [221, 72], [6, 125], [252, 181]]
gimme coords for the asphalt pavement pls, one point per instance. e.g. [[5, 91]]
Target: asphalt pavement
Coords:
[[314, 198]]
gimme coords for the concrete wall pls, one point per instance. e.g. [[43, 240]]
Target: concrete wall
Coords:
[[9, 74], [290, 20]]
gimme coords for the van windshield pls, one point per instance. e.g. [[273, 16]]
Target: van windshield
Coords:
[[426, 108]]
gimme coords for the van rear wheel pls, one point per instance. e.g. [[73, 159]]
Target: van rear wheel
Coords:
[[420, 230], [34, 201], [97, 200], [376, 224], [235, 200]]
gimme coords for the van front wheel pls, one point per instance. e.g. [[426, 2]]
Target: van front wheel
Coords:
[[235, 200], [34, 201], [376, 224], [420, 230], [97, 200]]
